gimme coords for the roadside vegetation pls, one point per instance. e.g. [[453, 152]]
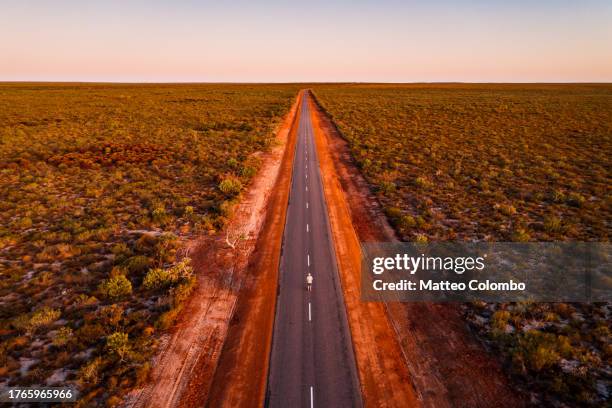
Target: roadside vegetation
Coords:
[[100, 185], [498, 163]]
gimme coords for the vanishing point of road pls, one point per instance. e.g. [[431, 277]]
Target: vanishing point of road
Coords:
[[312, 363]]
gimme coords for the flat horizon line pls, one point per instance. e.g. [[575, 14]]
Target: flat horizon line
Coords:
[[305, 82]]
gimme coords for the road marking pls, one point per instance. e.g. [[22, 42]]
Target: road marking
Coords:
[[309, 312], [307, 228], [306, 188], [308, 259], [311, 397]]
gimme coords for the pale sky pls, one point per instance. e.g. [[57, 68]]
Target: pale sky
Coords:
[[290, 41]]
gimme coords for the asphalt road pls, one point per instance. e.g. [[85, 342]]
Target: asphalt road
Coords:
[[312, 363]]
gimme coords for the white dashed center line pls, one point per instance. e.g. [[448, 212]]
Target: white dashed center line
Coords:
[[309, 312], [308, 258], [311, 397], [307, 228]]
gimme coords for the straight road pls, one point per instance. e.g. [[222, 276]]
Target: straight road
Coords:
[[312, 363]]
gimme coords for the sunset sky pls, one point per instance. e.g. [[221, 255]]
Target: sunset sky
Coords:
[[281, 41]]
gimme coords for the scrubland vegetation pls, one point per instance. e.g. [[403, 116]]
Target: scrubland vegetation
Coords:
[[498, 163], [99, 185]]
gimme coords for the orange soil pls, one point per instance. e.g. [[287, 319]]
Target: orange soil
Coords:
[[385, 380], [241, 377], [448, 366]]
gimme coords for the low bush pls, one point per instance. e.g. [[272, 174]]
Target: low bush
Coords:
[[118, 344], [158, 278], [115, 287], [32, 321], [230, 186]]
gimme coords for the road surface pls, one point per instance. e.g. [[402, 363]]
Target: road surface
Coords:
[[312, 363]]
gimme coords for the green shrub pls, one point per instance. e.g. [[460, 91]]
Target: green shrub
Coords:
[[115, 287], [181, 292], [188, 211], [167, 319], [118, 344], [158, 278], [421, 239], [520, 235], [248, 171], [407, 221], [500, 319], [63, 336], [230, 186], [423, 182], [575, 199], [159, 214], [138, 264], [120, 249], [111, 315], [90, 333], [539, 350], [146, 243], [165, 248], [89, 373], [387, 187], [393, 213], [552, 225], [43, 317], [30, 322], [25, 222], [232, 162], [558, 196]]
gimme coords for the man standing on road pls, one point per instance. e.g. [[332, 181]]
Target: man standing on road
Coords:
[[309, 281]]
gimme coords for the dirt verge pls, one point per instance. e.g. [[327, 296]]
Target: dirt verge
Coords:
[[447, 365], [188, 357]]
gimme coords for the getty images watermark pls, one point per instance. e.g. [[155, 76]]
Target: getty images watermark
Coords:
[[491, 272]]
